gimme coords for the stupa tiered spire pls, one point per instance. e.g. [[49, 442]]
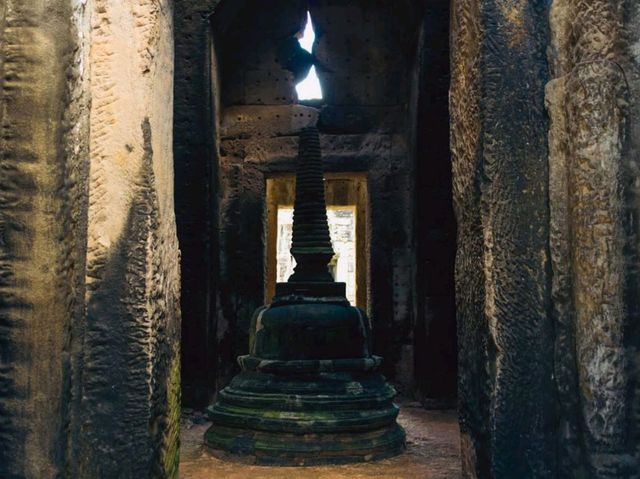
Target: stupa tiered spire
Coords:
[[311, 245]]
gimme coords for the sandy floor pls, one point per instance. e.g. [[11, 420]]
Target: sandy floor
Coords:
[[432, 453]]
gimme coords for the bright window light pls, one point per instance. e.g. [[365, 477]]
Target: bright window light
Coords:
[[342, 227], [309, 88], [308, 36]]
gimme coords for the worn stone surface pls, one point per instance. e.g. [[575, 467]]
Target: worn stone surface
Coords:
[[44, 144], [500, 176], [474, 386], [90, 371], [631, 40], [358, 119], [514, 211], [269, 121], [581, 295], [593, 170], [130, 381]]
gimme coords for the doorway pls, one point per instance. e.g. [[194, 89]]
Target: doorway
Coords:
[[347, 200]]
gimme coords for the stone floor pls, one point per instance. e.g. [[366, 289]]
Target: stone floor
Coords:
[[433, 452]]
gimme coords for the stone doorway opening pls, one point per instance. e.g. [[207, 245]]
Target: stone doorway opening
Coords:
[[383, 118], [347, 199]]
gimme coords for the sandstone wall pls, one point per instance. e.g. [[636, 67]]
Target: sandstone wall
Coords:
[[434, 335], [90, 320], [195, 183], [500, 190], [593, 104], [547, 252]]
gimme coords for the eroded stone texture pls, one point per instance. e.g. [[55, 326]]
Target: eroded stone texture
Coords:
[[130, 389], [591, 318], [89, 376], [500, 164], [43, 171], [593, 174], [565, 355], [515, 220], [474, 386], [631, 36]]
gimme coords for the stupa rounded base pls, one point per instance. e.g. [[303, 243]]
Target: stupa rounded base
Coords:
[[286, 449], [308, 419]]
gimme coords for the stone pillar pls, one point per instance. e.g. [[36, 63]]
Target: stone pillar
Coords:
[[593, 104], [89, 371], [43, 210], [499, 144], [196, 165], [131, 378], [473, 381]]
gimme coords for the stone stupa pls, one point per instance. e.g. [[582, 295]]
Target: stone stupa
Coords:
[[308, 392]]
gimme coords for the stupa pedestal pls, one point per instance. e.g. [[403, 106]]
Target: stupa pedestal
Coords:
[[309, 391]]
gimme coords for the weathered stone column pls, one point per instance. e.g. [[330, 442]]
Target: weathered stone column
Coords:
[[593, 102], [474, 386], [43, 209], [499, 143], [131, 374], [89, 318]]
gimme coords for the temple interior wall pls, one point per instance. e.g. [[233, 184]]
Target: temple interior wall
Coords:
[[365, 128]]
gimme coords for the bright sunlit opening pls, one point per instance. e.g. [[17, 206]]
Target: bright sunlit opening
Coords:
[[342, 228], [309, 88], [308, 36]]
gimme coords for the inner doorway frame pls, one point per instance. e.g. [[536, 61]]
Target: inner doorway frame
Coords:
[[342, 189]]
